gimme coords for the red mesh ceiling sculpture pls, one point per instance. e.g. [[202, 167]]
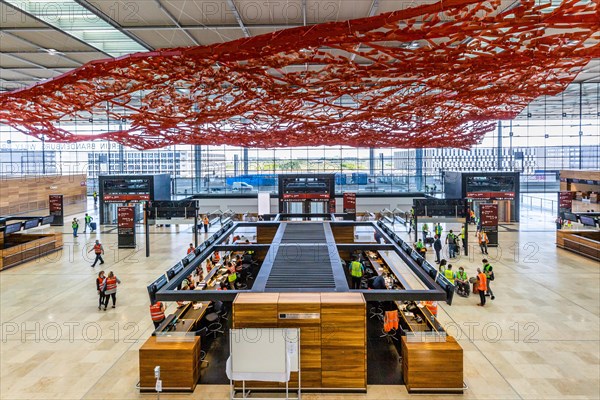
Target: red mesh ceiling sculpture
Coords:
[[437, 75]]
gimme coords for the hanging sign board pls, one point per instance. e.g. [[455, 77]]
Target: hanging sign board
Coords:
[[55, 204], [126, 227]]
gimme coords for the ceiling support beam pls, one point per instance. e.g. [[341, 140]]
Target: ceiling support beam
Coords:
[[29, 42], [94, 10], [238, 18], [176, 22]]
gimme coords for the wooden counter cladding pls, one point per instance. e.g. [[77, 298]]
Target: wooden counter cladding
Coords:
[[28, 247], [179, 364], [332, 341], [432, 366]]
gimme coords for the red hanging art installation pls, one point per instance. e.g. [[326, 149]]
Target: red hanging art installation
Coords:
[[436, 75]]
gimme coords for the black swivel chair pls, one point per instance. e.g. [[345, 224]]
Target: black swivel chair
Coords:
[[203, 333], [219, 312]]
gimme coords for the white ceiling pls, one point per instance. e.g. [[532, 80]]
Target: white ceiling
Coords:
[[85, 30]]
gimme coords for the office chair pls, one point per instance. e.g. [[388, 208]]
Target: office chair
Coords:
[[376, 311]]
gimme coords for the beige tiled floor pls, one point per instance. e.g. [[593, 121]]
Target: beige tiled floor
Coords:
[[540, 338]]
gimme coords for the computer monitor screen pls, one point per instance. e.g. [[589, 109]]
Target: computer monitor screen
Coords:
[[47, 220], [570, 217], [188, 259], [31, 223], [589, 221], [155, 287], [12, 228]]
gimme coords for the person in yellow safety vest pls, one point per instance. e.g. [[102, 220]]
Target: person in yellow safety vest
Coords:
[[425, 232], [420, 247], [438, 229], [157, 313], [449, 274], [356, 272]]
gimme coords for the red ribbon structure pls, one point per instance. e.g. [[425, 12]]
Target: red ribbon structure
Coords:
[[436, 75]]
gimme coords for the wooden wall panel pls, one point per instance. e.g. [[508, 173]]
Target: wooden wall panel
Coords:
[[343, 347], [432, 365], [265, 233], [255, 310], [343, 234], [30, 193]]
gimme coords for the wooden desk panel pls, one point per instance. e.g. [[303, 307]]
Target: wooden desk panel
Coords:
[[435, 365], [179, 364]]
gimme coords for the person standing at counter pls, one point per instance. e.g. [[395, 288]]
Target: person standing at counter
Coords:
[[100, 288], [489, 273], [191, 248], [110, 285], [437, 246], [357, 271], [481, 287], [98, 250], [157, 313]]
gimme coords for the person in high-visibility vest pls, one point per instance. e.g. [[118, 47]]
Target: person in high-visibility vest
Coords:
[[75, 226], [95, 196], [88, 220], [110, 289], [100, 288], [420, 247], [438, 229], [157, 313], [463, 238], [489, 274], [449, 274], [462, 282], [98, 250], [191, 248], [425, 232], [482, 286], [451, 242], [205, 222], [483, 240], [356, 272]]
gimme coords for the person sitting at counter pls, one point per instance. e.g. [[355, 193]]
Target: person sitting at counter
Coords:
[[420, 247], [462, 282], [232, 277], [216, 257], [191, 248], [378, 282], [188, 282], [442, 266], [209, 265]]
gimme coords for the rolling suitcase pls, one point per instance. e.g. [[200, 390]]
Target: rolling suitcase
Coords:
[[93, 226]]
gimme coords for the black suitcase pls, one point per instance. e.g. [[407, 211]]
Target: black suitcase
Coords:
[[93, 226], [429, 240]]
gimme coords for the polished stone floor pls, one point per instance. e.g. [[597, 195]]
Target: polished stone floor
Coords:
[[539, 339]]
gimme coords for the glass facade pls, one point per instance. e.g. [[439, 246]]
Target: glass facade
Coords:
[[534, 145]]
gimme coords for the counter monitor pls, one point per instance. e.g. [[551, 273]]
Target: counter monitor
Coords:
[[31, 223]]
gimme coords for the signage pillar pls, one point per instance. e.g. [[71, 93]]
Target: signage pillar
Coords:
[[55, 204], [565, 201], [126, 227], [488, 214], [350, 205]]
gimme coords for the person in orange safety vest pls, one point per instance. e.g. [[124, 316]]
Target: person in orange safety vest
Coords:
[[157, 313]]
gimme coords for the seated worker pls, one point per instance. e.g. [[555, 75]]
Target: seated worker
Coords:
[[377, 282], [209, 265], [188, 282], [216, 257], [462, 282], [449, 274], [420, 247], [442, 266], [232, 275], [249, 251]]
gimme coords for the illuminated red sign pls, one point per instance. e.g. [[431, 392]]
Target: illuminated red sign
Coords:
[[491, 195], [565, 200], [350, 202], [121, 198]]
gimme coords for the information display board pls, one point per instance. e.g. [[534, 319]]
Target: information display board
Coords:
[[565, 201], [488, 217], [488, 214], [350, 202], [55, 202], [126, 227]]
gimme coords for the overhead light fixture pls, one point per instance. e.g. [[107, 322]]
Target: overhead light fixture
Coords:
[[564, 115], [528, 115], [52, 52]]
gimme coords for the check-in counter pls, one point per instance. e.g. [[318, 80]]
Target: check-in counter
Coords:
[[583, 242]]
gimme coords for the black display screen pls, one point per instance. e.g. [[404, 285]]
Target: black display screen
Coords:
[[155, 287], [570, 217], [47, 220], [589, 221], [491, 184], [174, 270], [126, 186], [12, 228], [31, 223]]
